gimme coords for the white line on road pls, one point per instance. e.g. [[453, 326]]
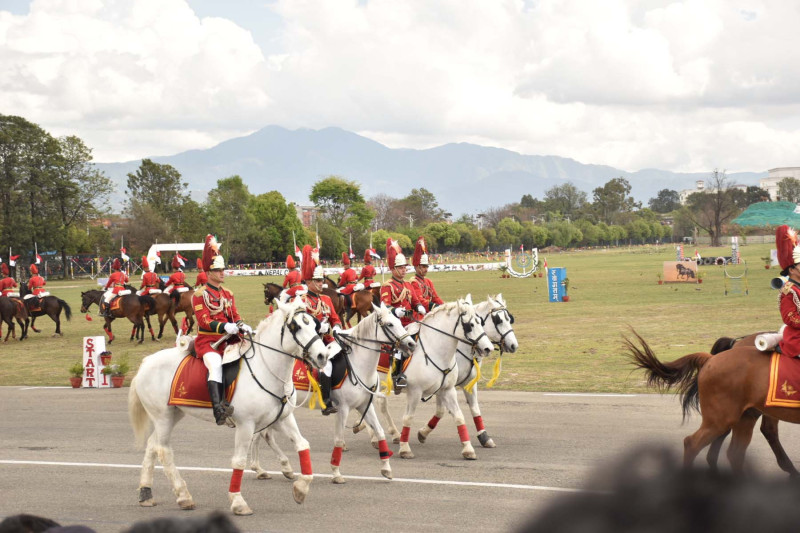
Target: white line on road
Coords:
[[368, 478], [589, 394]]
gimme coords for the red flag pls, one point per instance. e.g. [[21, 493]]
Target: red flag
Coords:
[[38, 259], [12, 260], [123, 255]]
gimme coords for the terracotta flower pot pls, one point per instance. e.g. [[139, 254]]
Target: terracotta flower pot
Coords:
[[766, 266], [541, 275], [699, 281], [565, 298], [660, 282], [76, 382], [117, 381], [105, 359]]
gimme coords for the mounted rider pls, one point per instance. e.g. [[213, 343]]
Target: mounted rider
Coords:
[[347, 281], [403, 298], [36, 288], [202, 277], [115, 286], [150, 281], [789, 299], [7, 283], [176, 284], [293, 278], [321, 307], [424, 286], [367, 275]]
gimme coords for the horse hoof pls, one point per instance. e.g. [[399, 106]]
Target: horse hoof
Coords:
[[148, 503], [263, 475], [299, 495], [420, 437], [239, 507], [488, 444], [406, 455], [386, 472], [338, 480], [396, 440], [469, 455], [345, 448], [485, 440], [359, 427], [186, 505], [375, 444], [289, 474]]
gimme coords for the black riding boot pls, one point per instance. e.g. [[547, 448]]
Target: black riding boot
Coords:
[[222, 409], [325, 386], [398, 377]]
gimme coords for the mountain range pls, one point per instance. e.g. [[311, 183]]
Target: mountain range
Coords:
[[465, 178]]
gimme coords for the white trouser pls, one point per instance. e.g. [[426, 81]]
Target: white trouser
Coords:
[[213, 362], [327, 369], [109, 294]]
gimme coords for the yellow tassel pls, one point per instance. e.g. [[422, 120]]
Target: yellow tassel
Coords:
[[472, 383], [496, 372], [316, 393], [387, 385]]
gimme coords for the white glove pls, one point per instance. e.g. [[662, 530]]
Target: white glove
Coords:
[[323, 327], [337, 328], [231, 328], [247, 330], [399, 312], [421, 310]]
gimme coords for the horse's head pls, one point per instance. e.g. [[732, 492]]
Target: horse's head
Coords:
[[498, 324], [471, 325], [268, 296], [301, 327], [392, 329], [86, 301]]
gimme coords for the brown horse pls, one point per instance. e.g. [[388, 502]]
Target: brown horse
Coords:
[[131, 307], [345, 313], [13, 309], [50, 306], [363, 301], [272, 292], [729, 389]]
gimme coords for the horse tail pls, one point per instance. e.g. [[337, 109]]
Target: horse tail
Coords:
[[148, 301], [66, 308], [138, 416], [376, 300], [681, 373]]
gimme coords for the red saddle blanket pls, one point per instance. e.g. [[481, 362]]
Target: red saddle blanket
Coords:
[[300, 377], [385, 362], [115, 303], [784, 382], [189, 384]]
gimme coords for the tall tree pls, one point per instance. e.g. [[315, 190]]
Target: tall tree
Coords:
[[227, 207], [613, 199], [565, 199], [341, 203], [711, 209], [665, 201], [274, 220], [789, 190]]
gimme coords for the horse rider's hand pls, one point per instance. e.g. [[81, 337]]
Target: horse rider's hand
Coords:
[[421, 310], [231, 328], [246, 329], [337, 328], [399, 312], [323, 327]]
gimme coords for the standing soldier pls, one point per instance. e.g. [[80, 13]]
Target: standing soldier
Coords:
[[320, 307], [216, 315], [401, 296], [150, 280], [176, 284], [202, 277], [424, 286], [294, 276], [7, 283], [114, 286]]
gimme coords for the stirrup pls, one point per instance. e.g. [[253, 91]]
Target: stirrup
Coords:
[[399, 381], [330, 408]]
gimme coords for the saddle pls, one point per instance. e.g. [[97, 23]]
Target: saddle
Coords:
[[784, 382], [189, 384], [338, 374]]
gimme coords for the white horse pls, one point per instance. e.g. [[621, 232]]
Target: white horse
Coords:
[[362, 348], [431, 370], [264, 397]]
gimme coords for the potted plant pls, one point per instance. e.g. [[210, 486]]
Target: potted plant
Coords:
[[117, 372], [76, 375], [699, 277], [105, 358], [767, 261], [660, 275], [504, 271], [565, 283]]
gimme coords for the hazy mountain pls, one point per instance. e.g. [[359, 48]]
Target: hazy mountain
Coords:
[[465, 178]]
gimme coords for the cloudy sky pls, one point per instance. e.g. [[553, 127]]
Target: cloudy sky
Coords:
[[686, 85]]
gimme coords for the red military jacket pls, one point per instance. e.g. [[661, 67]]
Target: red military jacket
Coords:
[[7, 285], [426, 292], [36, 284], [202, 279], [117, 279], [150, 280], [292, 279], [367, 274], [348, 280], [177, 279], [401, 294], [213, 308], [320, 307], [790, 312]]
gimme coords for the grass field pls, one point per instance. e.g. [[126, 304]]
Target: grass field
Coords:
[[573, 346]]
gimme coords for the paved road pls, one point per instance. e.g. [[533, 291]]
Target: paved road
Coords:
[[547, 445]]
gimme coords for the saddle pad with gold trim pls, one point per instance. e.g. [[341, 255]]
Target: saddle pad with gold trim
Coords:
[[189, 385], [300, 376], [784, 381], [115, 303]]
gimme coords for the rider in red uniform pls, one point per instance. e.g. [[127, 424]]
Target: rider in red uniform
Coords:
[[176, 284], [7, 284], [150, 280], [202, 277], [114, 286], [788, 258], [294, 277], [422, 285], [320, 307], [403, 298], [216, 314], [368, 272], [36, 283]]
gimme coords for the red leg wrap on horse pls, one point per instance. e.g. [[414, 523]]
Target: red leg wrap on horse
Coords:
[[433, 421], [404, 434], [305, 462], [463, 433], [383, 449], [336, 456], [236, 481], [478, 423]]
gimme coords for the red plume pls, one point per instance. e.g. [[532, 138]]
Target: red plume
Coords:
[[199, 264], [418, 251], [391, 252], [116, 265], [34, 270], [785, 242], [345, 259], [210, 250], [367, 256], [145, 264], [308, 263], [4, 268], [290, 264]]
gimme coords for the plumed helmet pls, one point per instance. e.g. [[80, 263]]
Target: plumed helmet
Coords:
[[176, 265], [345, 259], [145, 264], [4, 269], [34, 270], [116, 265], [394, 254], [420, 253], [200, 264], [367, 256], [311, 270], [786, 244], [290, 264], [211, 258]]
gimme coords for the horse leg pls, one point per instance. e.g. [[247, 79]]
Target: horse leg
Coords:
[[162, 319], [422, 434], [33, 325], [712, 456], [286, 466], [472, 400], [162, 433], [411, 407], [301, 485], [173, 321], [769, 428], [371, 418], [252, 455], [338, 442], [450, 402], [709, 430], [107, 329], [149, 327], [244, 432], [56, 317], [146, 477], [191, 323], [740, 440]]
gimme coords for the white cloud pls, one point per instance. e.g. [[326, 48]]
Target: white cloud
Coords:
[[685, 85]]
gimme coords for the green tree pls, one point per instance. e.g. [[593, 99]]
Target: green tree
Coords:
[[156, 185], [421, 205], [274, 221], [443, 235], [613, 199], [711, 209], [341, 203], [789, 190], [227, 209], [665, 201], [565, 199]]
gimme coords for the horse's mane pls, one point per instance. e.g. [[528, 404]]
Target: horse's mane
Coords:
[[366, 323], [264, 324], [270, 284], [446, 308]]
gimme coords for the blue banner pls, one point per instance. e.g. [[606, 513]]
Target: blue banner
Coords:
[[555, 283]]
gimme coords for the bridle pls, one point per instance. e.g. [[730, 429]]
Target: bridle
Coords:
[[497, 319]]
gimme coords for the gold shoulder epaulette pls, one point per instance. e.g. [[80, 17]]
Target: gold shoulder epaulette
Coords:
[[787, 288]]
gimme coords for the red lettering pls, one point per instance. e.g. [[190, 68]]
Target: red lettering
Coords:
[[105, 379], [90, 362], [89, 382], [90, 343], [89, 372]]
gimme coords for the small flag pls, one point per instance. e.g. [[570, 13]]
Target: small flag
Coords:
[[38, 259], [374, 254], [12, 260], [521, 246], [181, 259], [352, 255], [122, 254]]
